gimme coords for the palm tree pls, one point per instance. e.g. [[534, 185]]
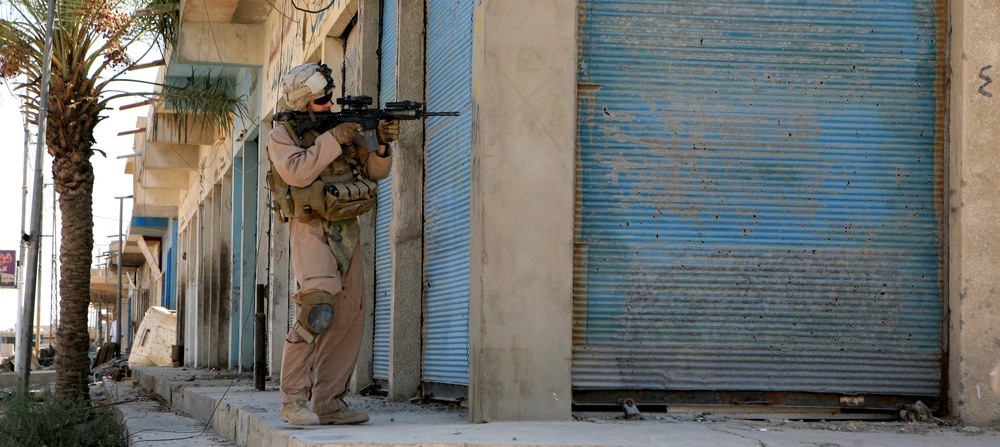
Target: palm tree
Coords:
[[91, 45]]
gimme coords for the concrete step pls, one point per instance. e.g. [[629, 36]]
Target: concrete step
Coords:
[[151, 425], [149, 420]]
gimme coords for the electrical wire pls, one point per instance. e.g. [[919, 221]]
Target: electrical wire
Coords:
[[203, 430], [328, 5]]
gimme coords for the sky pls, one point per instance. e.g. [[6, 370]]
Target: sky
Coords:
[[110, 182]]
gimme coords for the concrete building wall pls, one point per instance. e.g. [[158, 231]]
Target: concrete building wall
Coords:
[[523, 173], [503, 270], [974, 205], [206, 221]]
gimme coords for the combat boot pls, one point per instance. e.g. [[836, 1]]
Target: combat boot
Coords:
[[296, 413], [343, 416]]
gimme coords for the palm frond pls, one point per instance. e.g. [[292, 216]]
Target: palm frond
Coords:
[[161, 18], [91, 40], [207, 100]]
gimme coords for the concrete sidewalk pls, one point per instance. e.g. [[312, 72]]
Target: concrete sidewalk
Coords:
[[230, 412]]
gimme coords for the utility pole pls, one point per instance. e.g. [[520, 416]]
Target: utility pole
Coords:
[[35, 237], [22, 265]]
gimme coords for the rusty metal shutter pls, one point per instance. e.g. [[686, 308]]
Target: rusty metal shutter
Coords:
[[446, 195], [383, 209], [760, 196]]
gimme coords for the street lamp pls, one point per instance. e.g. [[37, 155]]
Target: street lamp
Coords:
[[121, 249]]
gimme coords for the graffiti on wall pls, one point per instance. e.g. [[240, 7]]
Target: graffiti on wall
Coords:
[[284, 41], [317, 16], [989, 80], [299, 29]]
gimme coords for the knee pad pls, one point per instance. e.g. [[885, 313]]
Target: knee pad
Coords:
[[315, 315]]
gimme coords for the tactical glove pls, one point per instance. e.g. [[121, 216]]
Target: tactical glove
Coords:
[[344, 132], [388, 131]]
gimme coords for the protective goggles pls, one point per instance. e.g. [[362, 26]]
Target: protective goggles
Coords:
[[323, 99]]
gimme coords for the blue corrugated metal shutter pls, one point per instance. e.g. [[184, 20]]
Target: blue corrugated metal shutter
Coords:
[[760, 196], [383, 209], [446, 197], [170, 269]]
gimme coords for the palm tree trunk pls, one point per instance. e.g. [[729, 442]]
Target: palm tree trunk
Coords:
[[74, 181]]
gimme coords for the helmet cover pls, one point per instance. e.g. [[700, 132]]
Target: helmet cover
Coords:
[[305, 83]]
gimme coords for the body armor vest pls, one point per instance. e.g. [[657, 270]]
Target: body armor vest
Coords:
[[341, 192]]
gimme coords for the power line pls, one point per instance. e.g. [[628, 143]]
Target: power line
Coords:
[[328, 5]]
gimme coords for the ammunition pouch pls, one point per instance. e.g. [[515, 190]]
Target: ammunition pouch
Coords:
[[345, 200], [281, 195], [323, 199]]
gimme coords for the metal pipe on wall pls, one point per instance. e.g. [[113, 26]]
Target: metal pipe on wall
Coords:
[[259, 352]]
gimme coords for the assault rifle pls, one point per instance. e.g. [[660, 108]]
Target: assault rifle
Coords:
[[355, 110]]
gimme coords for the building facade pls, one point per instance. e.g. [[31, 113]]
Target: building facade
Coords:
[[681, 203]]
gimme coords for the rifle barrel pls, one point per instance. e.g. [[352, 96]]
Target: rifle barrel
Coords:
[[442, 113]]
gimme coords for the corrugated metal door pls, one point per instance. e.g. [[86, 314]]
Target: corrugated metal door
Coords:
[[383, 209], [446, 196], [760, 196]]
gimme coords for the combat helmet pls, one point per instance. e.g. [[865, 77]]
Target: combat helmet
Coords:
[[305, 83]]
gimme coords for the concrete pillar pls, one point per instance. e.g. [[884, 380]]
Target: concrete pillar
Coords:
[[279, 294], [224, 271], [204, 294], [236, 291], [406, 228], [217, 319], [192, 313], [247, 232], [973, 204], [368, 66], [523, 170]]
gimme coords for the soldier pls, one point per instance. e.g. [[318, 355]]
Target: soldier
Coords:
[[321, 348]]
